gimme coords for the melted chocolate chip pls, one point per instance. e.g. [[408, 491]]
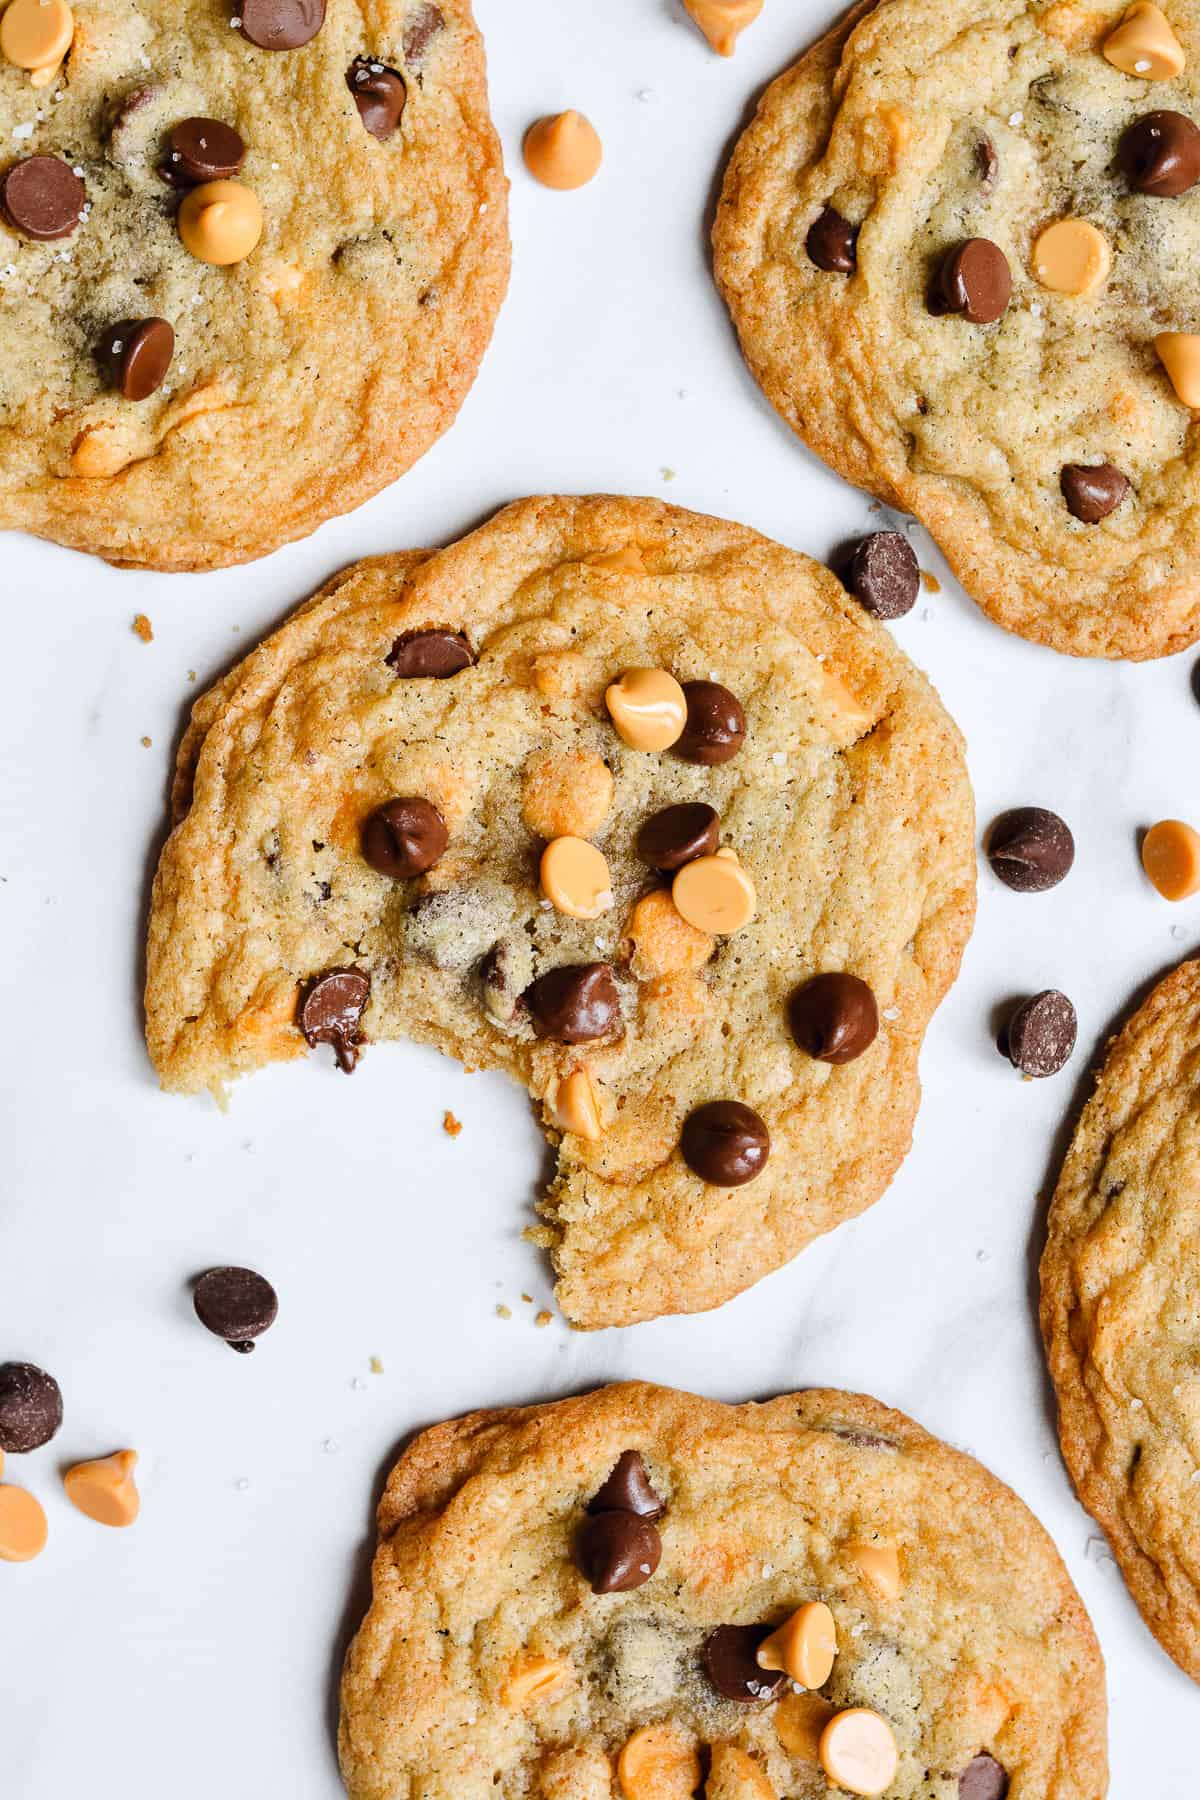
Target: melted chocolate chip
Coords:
[[434, 654], [725, 1143], [404, 837], [975, 280], [330, 1012], [419, 33], [1040, 1035], [678, 835], [30, 1407], [617, 1551], [201, 150], [136, 355], [1159, 154], [832, 243], [1092, 490], [883, 575], [574, 1003], [43, 198], [379, 95], [1030, 849], [983, 1779], [628, 1489], [834, 1017], [237, 1305], [728, 1655], [863, 1440], [716, 725], [281, 24]]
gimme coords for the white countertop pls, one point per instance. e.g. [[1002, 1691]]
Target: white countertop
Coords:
[[194, 1655]]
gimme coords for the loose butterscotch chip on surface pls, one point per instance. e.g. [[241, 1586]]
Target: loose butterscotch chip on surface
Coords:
[[1171, 858], [105, 1489], [23, 1528], [563, 151], [723, 21]]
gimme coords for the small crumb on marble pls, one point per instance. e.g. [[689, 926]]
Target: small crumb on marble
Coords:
[[143, 629], [667, 474], [930, 582], [376, 1366], [543, 1319], [147, 743], [450, 1125], [503, 1312]]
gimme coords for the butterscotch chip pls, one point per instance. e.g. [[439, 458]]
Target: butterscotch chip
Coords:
[[723, 21], [1179, 353], [36, 34], [804, 1646], [1171, 858], [105, 1489], [102, 450], [450, 1125], [563, 151], [715, 894], [23, 1528], [1145, 45], [879, 1566], [663, 941], [575, 878], [576, 1106], [220, 222], [142, 628], [648, 707], [627, 561], [858, 1751], [566, 794], [659, 1762], [533, 1679], [1072, 257]]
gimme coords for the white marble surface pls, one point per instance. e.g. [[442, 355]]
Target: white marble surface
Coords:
[[194, 1654]]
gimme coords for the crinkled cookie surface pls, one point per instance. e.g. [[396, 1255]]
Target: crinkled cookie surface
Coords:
[[1120, 1313], [306, 376], [848, 804], [925, 123], [981, 1657]]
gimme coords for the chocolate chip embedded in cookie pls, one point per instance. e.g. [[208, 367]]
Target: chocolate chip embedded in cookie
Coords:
[[136, 355], [1092, 490], [280, 24], [43, 198], [725, 1142], [436, 655], [976, 281], [200, 150], [331, 1010], [403, 838], [831, 242], [834, 1017], [379, 94], [715, 727], [1160, 154]]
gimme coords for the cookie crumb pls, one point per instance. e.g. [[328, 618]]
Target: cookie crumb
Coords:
[[450, 1125], [930, 582], [143, 629], [543, 1319], [503, 1312], [528, 1299], [667, 474], [376, 1366], [147, 743]]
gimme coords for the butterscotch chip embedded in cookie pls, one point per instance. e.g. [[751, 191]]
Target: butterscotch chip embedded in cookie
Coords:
[[491, 1664], [328, 890]]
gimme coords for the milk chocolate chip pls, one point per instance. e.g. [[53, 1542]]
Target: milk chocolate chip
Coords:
[[832, 243], [678, 835], [404, 837], [1159, 154], [200, 150], [834, 1017], [729, 1658], [725, 1143], [1092, 490], [1030, 849], [43, 198], [1040, 1036], [617, 1551], [983, 1779], [281, 24], [883, 575], [436, 654], [235, 1304], [975, 280], [30, 1407], [330, 1012], [574, 1003], [379, 94], [136, 355], [420, 32], [716, 725], [628, 1489]]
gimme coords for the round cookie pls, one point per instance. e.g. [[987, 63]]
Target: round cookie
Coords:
[[489, 1665], [1118, 1308], [1043, 441], [241, 287], [390, 771]]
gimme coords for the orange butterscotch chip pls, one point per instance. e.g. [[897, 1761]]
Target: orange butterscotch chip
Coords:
[[568, 795], [626, 561], [1179, 354], [1171, 858], [879, 1566], [659, 1763], [735, 1775], [648, 709], [804, 1646], [723, 21], [858, 1751], [23, 1529], [575, 1106], [663, 941], [1145, 45], [36, 34], [533, 1679], [220, 222], [715, 894], [563, 151], [105, 1489], [1072, 257], [575, 878]]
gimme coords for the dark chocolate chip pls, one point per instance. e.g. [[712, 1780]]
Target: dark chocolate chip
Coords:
[[1092, 490], [716, 725], [379, 95], [728, 1656], [1040, 1035], [437, 654], [201, 150], [975, 280], [983, 1779], [884, 576], [1030, 849], [43, 198], [30, 1407], [1159, 154], [832, 243], [136, 355], [725, 1143], [235, 1304], [404, 837], [574, 1003], [986, 160], [617, 1551], [281, 24], [627, 1489], [330, 1012], [678, 835], [834, 1017], [420, 32]]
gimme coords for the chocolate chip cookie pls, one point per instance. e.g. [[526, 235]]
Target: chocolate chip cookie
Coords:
[[631, 803], [250, 257], [1119, 1307], [958, 242], [645, 1594]]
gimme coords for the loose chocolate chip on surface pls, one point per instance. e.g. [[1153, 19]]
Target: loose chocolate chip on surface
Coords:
[[884, 576], [1092, 490], [716, 725], [678, 835], [330, 1012], [728, 1657], [832, 243], [379, 95], [235, 1304], [1040, 1035], [628, 1489], [617, 1551], [1159, 154], [834, 1017], [420, 32], [136, 355], [200, 150], [725, 1143], [43, 198], [983, 1779], [575, 1003], [975, 280], [404, 837], [281, 24], [437, 654], [1030, 849], [986, 160], [30, 1407]]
